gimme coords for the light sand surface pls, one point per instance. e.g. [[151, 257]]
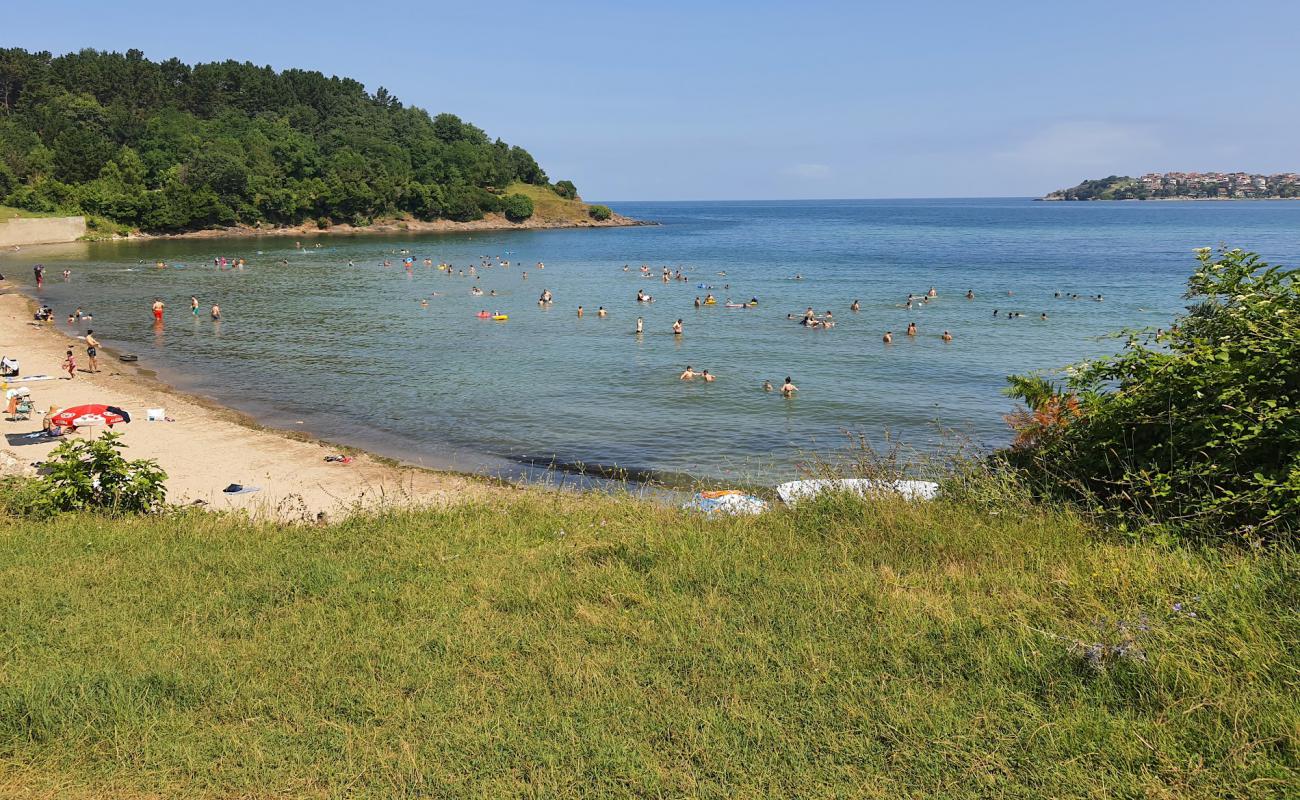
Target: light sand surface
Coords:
[[207, 447]]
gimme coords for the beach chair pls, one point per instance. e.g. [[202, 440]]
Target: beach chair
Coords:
[[18, 403]]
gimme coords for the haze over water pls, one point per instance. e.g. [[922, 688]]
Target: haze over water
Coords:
[[351, 353]]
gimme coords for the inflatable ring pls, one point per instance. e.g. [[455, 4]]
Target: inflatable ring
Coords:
[[501, 317]]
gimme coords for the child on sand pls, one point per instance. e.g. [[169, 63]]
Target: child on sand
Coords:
[[70, 365]]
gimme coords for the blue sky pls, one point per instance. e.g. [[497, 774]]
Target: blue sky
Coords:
[[723, 100]]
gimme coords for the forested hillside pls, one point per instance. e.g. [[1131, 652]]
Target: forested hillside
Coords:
[[171, 147]]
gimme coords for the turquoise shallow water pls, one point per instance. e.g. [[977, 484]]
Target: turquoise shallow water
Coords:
[[351, 353]]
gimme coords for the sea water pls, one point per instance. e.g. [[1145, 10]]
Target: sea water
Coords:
[[308, 342]]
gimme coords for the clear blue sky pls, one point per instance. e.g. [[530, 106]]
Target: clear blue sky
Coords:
[[687, 100]]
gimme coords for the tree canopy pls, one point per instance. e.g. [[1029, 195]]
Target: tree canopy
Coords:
[[165, 146]]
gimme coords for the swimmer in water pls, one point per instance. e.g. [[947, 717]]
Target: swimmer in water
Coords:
[[1043, 315], [687, 374], [888, 338], [677, 328], [947, 337], [788, 388], [856, 306], [911, 329], [706, 376], [601, 312], [580, 312], [216, 312], [970, 294], [194, 305], [767, 386], [640, 325], [932, 293]]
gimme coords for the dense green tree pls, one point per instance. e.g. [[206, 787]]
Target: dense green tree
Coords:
[[566, 189], [168, 146], [517, 207]]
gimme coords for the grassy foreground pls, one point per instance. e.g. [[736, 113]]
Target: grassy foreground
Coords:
[[596, 647]]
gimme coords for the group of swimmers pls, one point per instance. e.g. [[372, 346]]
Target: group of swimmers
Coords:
[[788, 388]]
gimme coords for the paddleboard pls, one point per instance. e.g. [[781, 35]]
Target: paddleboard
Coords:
[[794, 491]]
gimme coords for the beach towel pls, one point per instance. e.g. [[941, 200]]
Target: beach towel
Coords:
[[726, 502]]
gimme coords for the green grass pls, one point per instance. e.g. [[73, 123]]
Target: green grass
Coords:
[[549, 206], [595, 647], [9, 212]]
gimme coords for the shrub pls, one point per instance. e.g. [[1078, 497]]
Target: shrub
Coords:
[[600, 213], [83, 475], [1196, 429], [566, 189], [517, 207]]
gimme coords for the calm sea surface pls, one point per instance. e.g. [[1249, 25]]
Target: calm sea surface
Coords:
[[350, 352]]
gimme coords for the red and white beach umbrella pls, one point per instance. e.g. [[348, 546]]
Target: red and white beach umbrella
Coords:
[[90, 414]]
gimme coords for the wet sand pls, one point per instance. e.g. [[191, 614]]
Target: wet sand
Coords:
[[207, 447]]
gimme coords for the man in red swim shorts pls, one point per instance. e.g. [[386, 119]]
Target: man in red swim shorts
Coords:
[[157, 310]]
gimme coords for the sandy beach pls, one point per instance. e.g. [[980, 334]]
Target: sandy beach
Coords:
[[206, 447]]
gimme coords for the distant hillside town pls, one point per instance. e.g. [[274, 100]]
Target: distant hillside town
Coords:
[[1185, 185]]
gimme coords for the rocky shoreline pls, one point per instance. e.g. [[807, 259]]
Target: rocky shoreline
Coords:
[[491, 222]]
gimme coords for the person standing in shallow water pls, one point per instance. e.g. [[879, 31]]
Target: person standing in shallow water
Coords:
[[677, 328], [158, 310], [640, 325], [788, 388], [194, 305]]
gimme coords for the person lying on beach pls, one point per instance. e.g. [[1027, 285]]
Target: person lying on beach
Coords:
[[788, 388]]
